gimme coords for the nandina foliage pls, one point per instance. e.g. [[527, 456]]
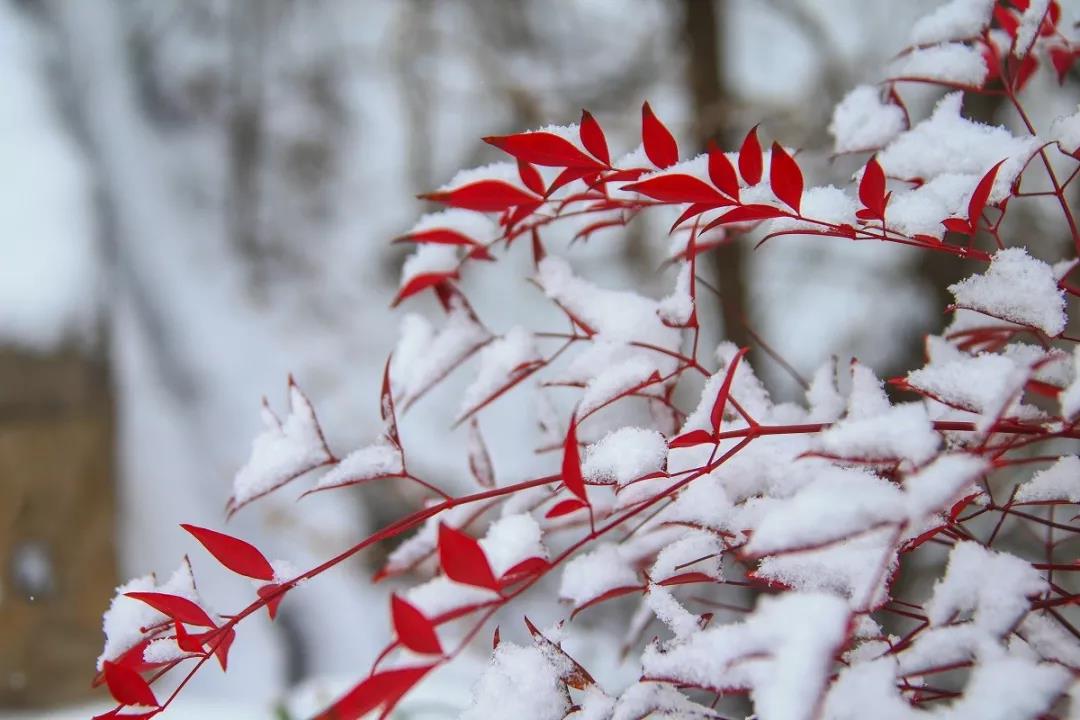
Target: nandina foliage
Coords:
[[816, 512]]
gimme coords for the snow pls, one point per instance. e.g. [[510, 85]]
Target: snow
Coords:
[[510, 540], [781, 658], [473, 225], [823, 203], [50, 276], [429, 258], [624, 455], [946, 142], [520, 682], [506, 172], [904, 432], [1009, 688], [825, 401], [867, 685], [988, 384], [592, 574], [669, 611], [994, 585], [501, 361], [1030, 22], [676, 308], [378, 460], [423, 355], [612, 381], [283, 451], [1065, 131], [950, 63], [867, 398], [1060, 481], [645, 699], [840, 504], [919, 211], [1017, 288], [1070, 397], [935, 488], [703, 502], [697, 551], [955, 20], [442, 595], [862, 121], [125, 618]]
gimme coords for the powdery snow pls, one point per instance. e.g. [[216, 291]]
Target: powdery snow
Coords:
[[624, 455], [520, 682], [1018, 288], [283, 451], [950, 63], [1059, 482], [592, 574], [510, 540], [862, 121], [472, 225], [501, 361], [423, 354], [669, 611], [904, 432], [1066, 132], [429, 258], [614, 380], [378, 460], [955, 20]]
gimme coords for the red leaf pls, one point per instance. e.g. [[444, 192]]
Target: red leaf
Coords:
[[692, 438], [1006, 20], [463, 560], [677, 187], [571, 672], [564, 507], [185, 640], [745, 213], [419, 283], [386, 407], [785, 177], [479, 459], [413, 628], [241, 557], [722, 173], [127, 686], [1062, 58], [174, 606], [495, 639], [382, 690], [1027, 69], [610, 594], [568, 176], [592, 137], [695, 210], [543, 148], [958, 225], [980, 195], [484, 196], [660, 145], [530, 176], [717, 414], [571, 464], [872, 189], [437, 236], [221, 648], [267, 591], [751, 163], [526, 568]]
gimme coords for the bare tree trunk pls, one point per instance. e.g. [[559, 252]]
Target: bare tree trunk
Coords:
[[705, 56]]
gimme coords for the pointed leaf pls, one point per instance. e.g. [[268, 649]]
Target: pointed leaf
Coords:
[[543, 148], [386, 406], [185, 640], [530, 176], [571, 464], [677, 187], [383, 690], [127, 686], [565, 507], [479, 459], [592, 137], [751, 163], [176, 607], [420, 282], [463, 560], [237, 555], [717, 414], [722, 172], [484, 196], [692, 438], [660, 145], [221, 649], [785, 177], [872, 189], [571, 671], [745, 213], [980, 195], [413, 628], [272, 597]]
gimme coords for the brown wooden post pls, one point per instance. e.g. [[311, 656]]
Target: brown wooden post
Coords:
[[57, 518]]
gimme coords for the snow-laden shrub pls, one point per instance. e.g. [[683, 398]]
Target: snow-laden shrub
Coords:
[[770, 540]]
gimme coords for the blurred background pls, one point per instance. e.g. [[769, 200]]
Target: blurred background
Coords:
[[197, 198]]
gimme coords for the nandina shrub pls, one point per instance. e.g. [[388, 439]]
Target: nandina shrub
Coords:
[[771, 540]]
